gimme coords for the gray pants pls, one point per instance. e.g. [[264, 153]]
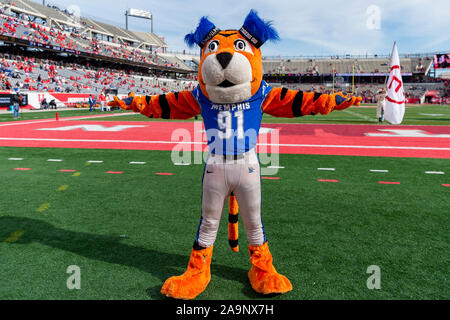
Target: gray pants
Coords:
[[380, 109], [223, 176], [16, 110]]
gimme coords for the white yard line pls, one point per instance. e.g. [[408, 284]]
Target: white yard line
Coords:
[[326, 169], [434, 172], [432, 114], [373, 170], [360, 116], [204, 143], [24, 122], [15, 159], [97, 116]]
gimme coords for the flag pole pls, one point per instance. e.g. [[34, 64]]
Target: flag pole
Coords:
[[333, 77], [353, 79], [390, 61]]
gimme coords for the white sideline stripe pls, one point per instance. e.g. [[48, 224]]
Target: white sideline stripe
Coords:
[[275, 167], [326, 169], [101, 116], [94, 161], [204, 143], [182, 164], [358, 115], [64, 119], [379, 170], [29, 122], [434, 172], [54, 160], [135, 162], [432, 114], [15, 159]]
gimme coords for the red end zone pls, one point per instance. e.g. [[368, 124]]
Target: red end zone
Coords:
[[349, 140]]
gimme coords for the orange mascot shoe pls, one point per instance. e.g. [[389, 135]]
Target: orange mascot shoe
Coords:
[[263, 276], [195, 280]]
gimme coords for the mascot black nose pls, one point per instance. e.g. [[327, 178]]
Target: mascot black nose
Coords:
[[224, 59]]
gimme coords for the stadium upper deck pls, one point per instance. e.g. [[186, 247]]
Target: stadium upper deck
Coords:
[[375, 65], [42, 25]]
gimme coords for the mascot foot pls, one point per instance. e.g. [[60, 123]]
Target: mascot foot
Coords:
[[194, 281], [263, 276]]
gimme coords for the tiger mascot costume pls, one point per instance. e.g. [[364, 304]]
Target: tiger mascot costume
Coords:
[[231, 98]]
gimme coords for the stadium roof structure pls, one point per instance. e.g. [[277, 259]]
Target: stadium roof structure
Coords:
[[62, 19]]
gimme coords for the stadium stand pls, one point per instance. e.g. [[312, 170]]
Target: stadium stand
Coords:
[[354, 74], [44, 75], [360, 65], [368, 91], [26, 20]]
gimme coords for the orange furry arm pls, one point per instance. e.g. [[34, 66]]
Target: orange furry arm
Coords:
[[282, 102], [175, 105]]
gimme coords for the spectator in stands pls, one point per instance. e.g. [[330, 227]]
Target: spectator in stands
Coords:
[[44, 104], [52, 104]]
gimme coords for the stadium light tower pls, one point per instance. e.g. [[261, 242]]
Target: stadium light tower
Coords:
[[138, 14]]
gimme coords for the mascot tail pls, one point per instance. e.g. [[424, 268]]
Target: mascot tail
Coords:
[[233, 228]]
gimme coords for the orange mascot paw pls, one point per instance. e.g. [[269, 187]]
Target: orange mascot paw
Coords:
[[195, 280], [133, 103], [263, 276], [343, 102]]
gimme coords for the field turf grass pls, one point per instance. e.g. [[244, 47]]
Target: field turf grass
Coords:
[[129, 232], [414, 115]]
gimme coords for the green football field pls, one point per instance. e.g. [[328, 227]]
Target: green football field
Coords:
[[131, 229], [129, 232]]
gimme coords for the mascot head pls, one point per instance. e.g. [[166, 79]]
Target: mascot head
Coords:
[[230, 69]]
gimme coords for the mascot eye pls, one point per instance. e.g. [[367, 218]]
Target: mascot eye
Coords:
[[213, 46], [240, 45]]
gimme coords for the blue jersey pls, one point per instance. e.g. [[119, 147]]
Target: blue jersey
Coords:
[[232, 128]]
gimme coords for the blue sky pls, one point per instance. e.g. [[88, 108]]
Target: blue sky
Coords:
[[319, 27]]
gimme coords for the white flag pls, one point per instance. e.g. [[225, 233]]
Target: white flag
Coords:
[[395, 98]]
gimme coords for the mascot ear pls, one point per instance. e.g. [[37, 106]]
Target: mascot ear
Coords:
[[258, 31], [205, 31]]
